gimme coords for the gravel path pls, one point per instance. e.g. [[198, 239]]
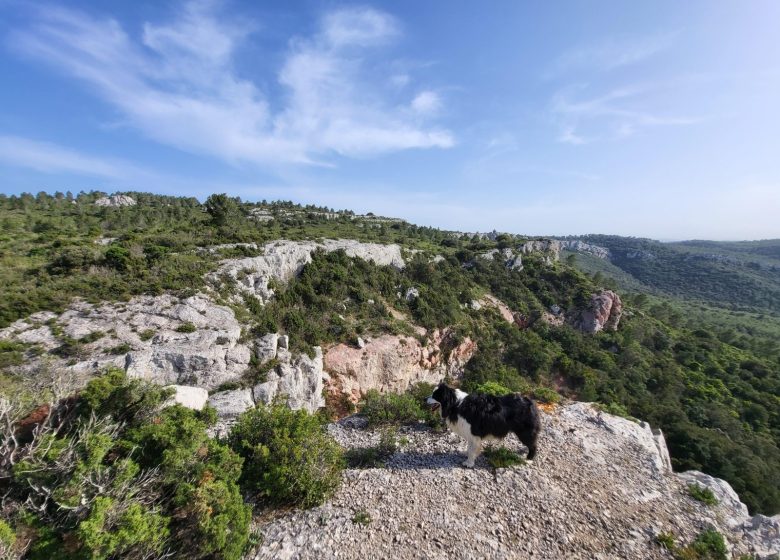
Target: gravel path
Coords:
[[589, 494]]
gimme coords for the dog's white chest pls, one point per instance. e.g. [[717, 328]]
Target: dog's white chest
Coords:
[[461, 427]]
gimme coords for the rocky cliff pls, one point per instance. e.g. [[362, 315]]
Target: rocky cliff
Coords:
[[601, 487]]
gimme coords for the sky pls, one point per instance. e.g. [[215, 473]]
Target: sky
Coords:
[[655, 119]]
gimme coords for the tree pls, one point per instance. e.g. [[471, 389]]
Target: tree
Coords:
[[222, 208]]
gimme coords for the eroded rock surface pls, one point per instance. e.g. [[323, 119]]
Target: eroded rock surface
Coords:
[[282, 260], [594, 492], [603, 313], [391, 363]]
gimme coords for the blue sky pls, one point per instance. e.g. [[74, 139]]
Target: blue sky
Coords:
[[655, 119]]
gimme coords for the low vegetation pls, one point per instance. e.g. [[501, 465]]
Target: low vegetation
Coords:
[[702, 494], [501, 457], [288, 457], [708, 545]]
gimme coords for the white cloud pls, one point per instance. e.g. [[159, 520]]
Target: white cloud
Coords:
[[178, 85], [426, 103], [51, 158], [619, 113], [361, 27], [611, 54]]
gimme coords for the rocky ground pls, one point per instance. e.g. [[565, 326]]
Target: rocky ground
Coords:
[[599, 488]]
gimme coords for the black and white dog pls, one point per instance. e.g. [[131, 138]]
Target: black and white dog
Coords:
[[479, 418]]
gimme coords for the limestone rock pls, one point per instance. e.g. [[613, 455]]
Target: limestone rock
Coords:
[[282, 260], [578, 246], [190, 397], [299, 379], [141, 336], [229, 406], [115, 200], [266, 347], [603, 313], [392, 363], [723, 491]]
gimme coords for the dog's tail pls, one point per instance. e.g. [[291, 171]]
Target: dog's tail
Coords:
[[533, 427]]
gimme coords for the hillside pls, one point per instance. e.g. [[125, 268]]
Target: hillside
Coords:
[[737, 275], [233, 304]]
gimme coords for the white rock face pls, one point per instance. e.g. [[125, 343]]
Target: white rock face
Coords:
[[579, 246], [282, 260], [229, 406], [627, 431], [190, 397], [299, 379], [141, 336], [116, 200], [722, 491]]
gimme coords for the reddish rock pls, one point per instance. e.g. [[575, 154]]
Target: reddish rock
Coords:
[[392, 363]]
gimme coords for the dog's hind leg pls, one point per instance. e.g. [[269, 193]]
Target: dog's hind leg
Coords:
[[529, 437]]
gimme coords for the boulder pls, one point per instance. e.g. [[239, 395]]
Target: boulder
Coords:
[[229, 406], [189, 397], [266, 347], [603, 313]]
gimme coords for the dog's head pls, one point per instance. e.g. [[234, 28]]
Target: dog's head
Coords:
[[442, 399]]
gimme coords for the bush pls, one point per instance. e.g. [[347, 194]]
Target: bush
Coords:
[[126, 477], [186, 328], [709, 545], [392, 408], [147, 334], [288, 456], [702, 494], [492, 388]]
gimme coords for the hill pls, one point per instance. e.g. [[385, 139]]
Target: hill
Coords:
[[235, 303]]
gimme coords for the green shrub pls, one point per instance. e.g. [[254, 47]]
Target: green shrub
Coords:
[[708, 545], [702, 494], [123, 348], [492, 388], [147, 334], [501, 457], [7, 537], [186, 327], [545, 394], [164, 484], [392, 408], [92, 337], [288, 456]]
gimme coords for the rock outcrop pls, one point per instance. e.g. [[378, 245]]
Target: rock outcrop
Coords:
[[299, 378], [599, 489], [116, 200], [392, 363], [550, 249], [282, 260], [578, 246], [603, 313], [160, 338]]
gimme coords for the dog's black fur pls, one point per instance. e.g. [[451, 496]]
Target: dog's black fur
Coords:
[[493, 416]]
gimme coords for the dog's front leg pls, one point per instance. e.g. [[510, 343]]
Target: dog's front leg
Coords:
[[474, 449]]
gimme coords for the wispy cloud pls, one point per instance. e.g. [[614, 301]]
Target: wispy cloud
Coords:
[[610, 54], [177, 84], [619, 113], [52, 158]]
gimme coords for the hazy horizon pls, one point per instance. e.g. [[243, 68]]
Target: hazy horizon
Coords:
[[654, 120]]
